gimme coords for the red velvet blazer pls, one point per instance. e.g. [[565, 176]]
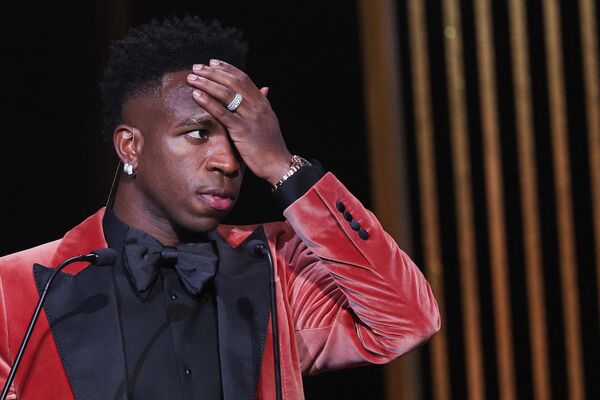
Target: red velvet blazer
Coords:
[[343, 299]]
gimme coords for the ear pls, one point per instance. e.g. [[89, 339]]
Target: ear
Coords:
[[127, 141]]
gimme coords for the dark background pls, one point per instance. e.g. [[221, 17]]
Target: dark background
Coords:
[[56, 171]]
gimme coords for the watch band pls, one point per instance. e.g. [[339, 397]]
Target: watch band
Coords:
[[296, 163]]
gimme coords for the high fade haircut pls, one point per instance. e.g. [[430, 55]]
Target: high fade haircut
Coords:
[[138, 62]]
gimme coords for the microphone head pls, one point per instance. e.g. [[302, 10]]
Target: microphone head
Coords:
[[257, 248], [103, 257]]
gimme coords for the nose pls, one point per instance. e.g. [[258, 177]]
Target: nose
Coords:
[[224, 157]]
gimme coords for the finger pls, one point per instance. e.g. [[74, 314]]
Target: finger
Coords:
[[231, 77], [264, 91], [231, 69], [214, 89], [216, 109]]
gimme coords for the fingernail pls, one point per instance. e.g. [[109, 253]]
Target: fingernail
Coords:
[[192, 77], [197, 67], [197, 94], [214, 62]]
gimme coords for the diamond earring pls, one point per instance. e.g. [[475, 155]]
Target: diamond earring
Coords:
[[128, 169]]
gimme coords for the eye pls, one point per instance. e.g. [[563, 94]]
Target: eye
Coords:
[[198, 134]]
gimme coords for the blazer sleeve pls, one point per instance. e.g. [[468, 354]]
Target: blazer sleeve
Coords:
[[355, 297]]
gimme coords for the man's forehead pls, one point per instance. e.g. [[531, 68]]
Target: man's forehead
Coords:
[[177, 95], [173, 79]]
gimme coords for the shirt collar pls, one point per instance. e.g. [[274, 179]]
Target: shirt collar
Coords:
[[115, 231]]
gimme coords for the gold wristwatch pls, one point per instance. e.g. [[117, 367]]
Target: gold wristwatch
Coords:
[[296, 163]]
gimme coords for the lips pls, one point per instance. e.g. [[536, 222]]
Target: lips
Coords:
[[218, 199]]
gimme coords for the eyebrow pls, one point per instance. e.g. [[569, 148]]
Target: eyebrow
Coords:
[[205, 121]]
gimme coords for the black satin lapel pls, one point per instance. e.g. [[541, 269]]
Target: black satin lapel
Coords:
[[242, 289], [82, 313]]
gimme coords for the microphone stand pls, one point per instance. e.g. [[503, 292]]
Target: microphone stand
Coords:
[[275, 327], [95, 257], [260, 249]]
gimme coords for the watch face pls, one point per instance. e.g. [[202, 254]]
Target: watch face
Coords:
[[297, 163]]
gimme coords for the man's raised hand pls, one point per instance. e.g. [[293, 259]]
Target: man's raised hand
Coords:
[[253, 126]]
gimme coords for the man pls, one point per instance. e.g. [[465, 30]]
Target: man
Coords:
[[185, 310]]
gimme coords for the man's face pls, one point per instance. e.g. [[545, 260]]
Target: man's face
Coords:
[[188, 171]]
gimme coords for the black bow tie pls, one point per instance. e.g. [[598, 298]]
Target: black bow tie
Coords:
[[195, 263]]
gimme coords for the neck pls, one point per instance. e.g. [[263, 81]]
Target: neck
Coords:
[[132, 210]]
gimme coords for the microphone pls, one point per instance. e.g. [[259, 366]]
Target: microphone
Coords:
[[100, 257], [259, 249], [103, 257]]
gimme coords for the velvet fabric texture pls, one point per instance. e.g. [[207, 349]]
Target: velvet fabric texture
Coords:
[[346, 296]]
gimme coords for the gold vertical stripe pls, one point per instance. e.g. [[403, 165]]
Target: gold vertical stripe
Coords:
[[495, 195], [529, 200], [589, 45], [464, 204], [566, 235], [386, 154], [428, 196]]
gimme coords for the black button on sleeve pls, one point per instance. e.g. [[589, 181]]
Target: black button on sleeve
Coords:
[[340, 206], [355, 225], [364, 235], [347, 216]]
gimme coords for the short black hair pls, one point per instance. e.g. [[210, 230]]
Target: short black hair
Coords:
[[138, 62]]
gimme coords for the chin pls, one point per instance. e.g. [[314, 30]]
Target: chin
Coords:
[[203, 224]]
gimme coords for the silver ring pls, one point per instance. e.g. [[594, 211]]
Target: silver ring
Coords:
[[235, 103]]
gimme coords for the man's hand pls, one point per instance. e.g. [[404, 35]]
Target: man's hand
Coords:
[[253, 126]]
